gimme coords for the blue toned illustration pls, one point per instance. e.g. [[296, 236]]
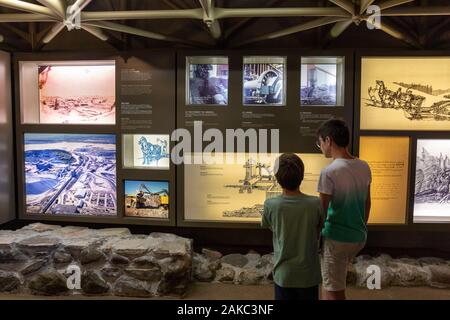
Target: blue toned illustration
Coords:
[[151, 151], [71, 174]]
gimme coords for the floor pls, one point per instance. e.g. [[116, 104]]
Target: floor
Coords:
[[208, 291]]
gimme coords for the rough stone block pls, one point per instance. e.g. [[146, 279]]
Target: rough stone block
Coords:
[[33, 266], [50, 282], [440, 276], [129, 287], [9, 281], [235, 259], [39, 243], [93, 283]]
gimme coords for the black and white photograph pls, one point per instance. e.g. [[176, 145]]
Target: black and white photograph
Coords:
[[318, 84], [264, 81], [432, 187], [207, 80]]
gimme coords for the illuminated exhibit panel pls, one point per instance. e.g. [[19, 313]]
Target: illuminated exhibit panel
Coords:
[[432, 194], [148, 199], [388, 158], [236, 192], [146, 151], [207, 80], [321, 81], [402, 93], [264, 81], [69, 92], [70, 174]]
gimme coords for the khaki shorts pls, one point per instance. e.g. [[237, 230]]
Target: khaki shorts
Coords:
[[336, 257]]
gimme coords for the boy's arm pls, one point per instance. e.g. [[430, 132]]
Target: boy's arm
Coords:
[[322, 217], [325, 188], [325, 199], [368, 205], [265, 221]]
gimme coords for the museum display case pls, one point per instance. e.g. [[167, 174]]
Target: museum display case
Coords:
[[405, 95], [322, 81], [69, 173], [263, 99], [93, 137]]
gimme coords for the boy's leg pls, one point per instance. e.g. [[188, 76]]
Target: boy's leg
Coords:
[[280, 292], [336, 256], [310, 294]]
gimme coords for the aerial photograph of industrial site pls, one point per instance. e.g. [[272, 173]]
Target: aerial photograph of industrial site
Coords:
[[70, 174], [77, 94]]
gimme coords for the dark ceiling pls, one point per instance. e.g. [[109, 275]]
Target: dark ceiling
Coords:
[[415, 24]]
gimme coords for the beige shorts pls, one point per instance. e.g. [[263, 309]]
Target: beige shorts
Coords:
[[336, 257]]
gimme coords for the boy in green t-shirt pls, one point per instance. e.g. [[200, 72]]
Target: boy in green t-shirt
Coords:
[[295, 220]]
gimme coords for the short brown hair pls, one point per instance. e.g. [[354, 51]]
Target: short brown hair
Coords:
[[290, 171], [337, 130]]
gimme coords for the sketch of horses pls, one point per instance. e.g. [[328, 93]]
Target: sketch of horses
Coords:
[[152, 152]]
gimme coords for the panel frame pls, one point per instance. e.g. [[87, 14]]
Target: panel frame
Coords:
[[121, 173], [414, 135]]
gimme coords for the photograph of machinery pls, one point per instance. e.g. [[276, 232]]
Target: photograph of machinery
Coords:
[[236, 191], [432, 186], [318, 84], [77, 94], [147, 199], [207, 80], [70, 174], [151, 151], [405, 94], [264, 81]]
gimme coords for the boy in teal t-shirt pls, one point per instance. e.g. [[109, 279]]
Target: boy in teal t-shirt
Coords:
[[344, 188], [295, 220]]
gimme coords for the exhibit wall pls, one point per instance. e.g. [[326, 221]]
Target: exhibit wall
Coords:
[[7, 185], [94, 134]]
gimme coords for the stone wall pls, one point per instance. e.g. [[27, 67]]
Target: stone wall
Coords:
[[211, 266], [35, 259]]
